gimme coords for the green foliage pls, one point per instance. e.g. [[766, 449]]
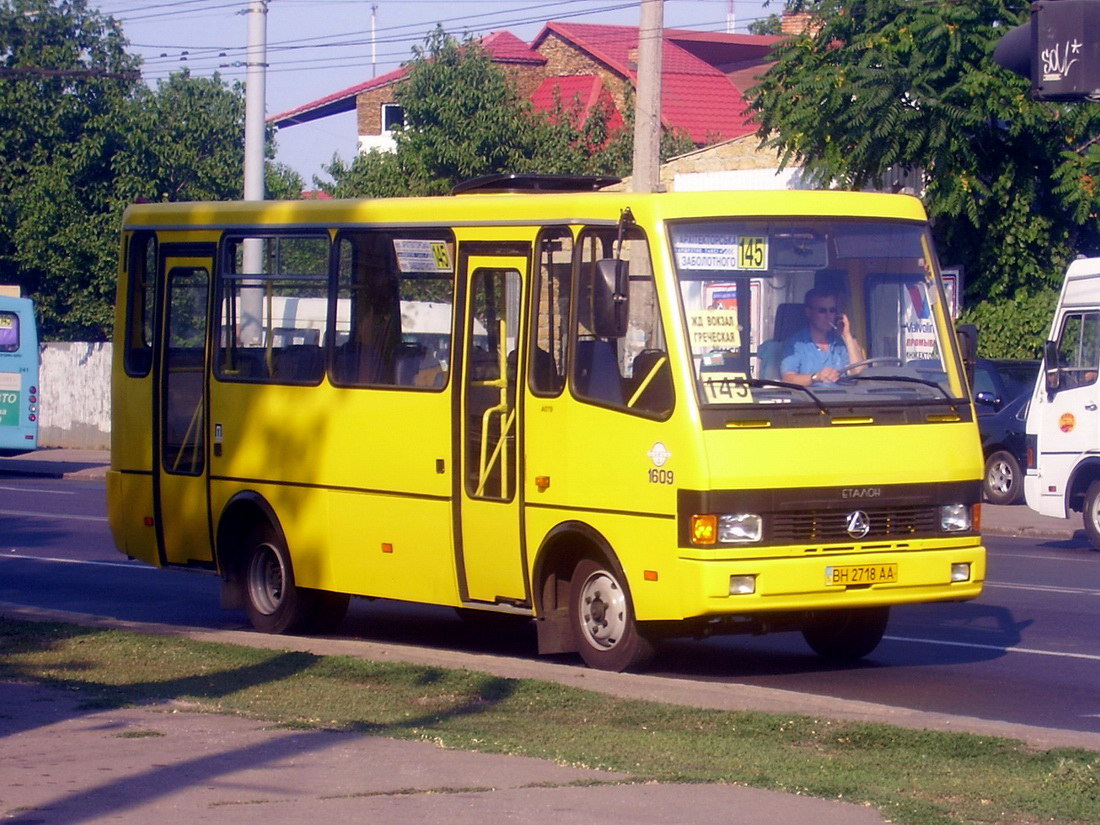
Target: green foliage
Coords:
[[1012, 327], [81, 137], [772, 24], [1011, 184]]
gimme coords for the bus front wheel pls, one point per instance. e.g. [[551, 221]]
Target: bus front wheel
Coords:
[[602, 616], [273, 602], [847, 635], [1091, 513]]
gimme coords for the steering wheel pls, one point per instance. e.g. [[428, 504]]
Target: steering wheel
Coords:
[[870, 362]]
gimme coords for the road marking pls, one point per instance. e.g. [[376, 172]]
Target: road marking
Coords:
[[1044, 588], [68, 516], [1092, 657], [1089, 559], [129, 565], [33, 490]]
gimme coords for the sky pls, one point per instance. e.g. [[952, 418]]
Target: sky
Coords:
[[317, 47]]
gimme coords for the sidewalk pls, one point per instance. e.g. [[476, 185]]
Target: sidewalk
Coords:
[[58, 463], [64, 764], [1015, 520]]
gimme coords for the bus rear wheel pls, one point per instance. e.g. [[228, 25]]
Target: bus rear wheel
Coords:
[[847, 635], [604, 628], [274, 603]]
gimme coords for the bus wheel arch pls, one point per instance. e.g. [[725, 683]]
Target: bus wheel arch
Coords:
[[258, 573], [583, 601]]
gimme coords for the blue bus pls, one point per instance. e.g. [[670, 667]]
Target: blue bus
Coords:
[[18, 375]]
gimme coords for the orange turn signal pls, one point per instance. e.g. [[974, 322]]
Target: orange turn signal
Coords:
[[704, 529]]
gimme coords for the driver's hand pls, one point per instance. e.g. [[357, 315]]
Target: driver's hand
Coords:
[[829, 375]]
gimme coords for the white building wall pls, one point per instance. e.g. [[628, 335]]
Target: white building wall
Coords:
[[75, 396]]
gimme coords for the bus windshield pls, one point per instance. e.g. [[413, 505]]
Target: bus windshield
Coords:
[[813, 311]]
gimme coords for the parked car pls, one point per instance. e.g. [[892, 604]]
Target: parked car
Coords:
[[1002, 389]]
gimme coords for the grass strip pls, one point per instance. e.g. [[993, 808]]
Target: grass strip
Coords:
[[914, 777]]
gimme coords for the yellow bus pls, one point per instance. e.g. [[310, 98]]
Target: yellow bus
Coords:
[[620, 415]]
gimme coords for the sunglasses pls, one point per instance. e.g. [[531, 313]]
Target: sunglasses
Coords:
[[823, 310]]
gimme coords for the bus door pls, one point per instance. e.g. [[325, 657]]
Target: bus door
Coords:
[[181, 501], [489, 544]]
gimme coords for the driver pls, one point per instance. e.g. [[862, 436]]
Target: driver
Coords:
[[818, 353]]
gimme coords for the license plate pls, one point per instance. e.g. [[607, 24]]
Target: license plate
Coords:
[[849, 574]]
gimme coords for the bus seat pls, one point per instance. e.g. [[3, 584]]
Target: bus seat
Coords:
[[597, 372], [406, 362], [299, 362], [789, 319], [356, 364]]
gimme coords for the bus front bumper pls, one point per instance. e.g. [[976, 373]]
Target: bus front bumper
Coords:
[[824, 581]]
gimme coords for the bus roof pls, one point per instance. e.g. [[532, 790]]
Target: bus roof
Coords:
[[524, 209]]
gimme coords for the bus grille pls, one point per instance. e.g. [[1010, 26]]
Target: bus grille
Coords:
[[832, 525]]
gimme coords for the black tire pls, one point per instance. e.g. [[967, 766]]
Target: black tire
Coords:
[[1091, 514], [847, 635], [273, 602], [602, 618], [1004, 480]]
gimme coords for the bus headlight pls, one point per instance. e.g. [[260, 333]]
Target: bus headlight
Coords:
[[740, 528], [955, 518]]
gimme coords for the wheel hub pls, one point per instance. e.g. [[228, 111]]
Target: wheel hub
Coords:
[[603, 606]]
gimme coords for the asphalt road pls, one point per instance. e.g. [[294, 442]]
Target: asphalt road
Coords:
[[1026, 652]]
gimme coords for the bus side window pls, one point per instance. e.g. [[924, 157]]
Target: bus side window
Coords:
[[394, 307], [632, 372], [550, 331], [274, 309], [140, 303]]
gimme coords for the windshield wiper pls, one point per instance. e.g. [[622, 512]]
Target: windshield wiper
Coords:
[[767, 382], [907, 379]]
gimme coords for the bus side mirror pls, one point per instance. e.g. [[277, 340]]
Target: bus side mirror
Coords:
[[967, 336], [610, 298], [1051, 371]]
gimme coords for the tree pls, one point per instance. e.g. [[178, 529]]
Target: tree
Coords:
[[465, 117], [67, 80], [772, 24], [81, 137], [1010, 183]]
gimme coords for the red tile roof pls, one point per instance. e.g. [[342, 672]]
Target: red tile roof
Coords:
[[503, 47], [335, 103], [697, 98], [703, 76], [587, 89]]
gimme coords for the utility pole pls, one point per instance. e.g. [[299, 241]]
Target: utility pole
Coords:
[[647, 116], [373, 42], [254, 102], [251, 306]]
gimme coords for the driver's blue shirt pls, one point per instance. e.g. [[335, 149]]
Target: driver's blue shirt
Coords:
[[801, 355]]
